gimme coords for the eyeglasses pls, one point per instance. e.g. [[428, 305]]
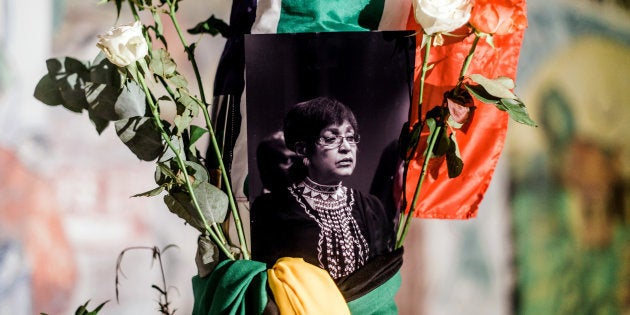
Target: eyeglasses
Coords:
[[336, 141]]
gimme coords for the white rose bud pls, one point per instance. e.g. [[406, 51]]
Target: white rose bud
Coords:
[[440, 16], [124, 44]]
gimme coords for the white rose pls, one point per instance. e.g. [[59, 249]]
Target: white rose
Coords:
[[439, 16], [124, 44]]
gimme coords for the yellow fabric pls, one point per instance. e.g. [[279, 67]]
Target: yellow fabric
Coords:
[[303, 289]]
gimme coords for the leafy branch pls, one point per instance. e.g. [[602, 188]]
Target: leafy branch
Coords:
[[125, 84]]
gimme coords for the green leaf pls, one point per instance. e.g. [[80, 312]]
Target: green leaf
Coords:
[[185, 101], [176, 203], [178, 81], [481, 94], [442, 144], [105, 72], [408, 140], [212, 26], [164, 175], [73, 94], [493, 87], [454, 162], [47, 92], [196, 133], [161, 63], [140, 136], [131, 101], [69, 75], [507, 82], [111, 103], [197, 171], [99, 123], [518, 111], [213, 202], [151, 193], [101, 99]]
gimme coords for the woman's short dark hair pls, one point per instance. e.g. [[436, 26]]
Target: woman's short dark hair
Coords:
[[305, 120]]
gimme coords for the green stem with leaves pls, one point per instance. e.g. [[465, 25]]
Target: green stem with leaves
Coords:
[[213, 230], [213, 140], [404, 227], [428, 155], [466, 64]]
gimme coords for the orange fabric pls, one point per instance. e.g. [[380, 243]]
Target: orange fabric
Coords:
[[480, 141]]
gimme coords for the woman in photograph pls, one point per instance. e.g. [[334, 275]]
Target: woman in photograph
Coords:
[[337, 228]]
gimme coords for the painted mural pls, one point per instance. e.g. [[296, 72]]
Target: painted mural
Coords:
[[570, 177]]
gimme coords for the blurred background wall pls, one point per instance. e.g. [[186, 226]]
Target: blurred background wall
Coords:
[[552, 235]]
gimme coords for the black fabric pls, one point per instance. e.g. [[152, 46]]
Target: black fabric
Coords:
[[376, 272], [229, 83], [281, 228]]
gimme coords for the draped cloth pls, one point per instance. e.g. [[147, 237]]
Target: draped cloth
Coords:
[[297, 287], [303, 289], [480, 141], [235, 287]]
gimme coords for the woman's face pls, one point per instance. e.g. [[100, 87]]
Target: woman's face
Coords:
[[331, 162]]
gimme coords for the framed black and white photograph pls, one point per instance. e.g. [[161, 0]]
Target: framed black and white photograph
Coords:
[[370, 72]]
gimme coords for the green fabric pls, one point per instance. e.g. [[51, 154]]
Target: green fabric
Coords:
[[300, 16], [379, 301], [234, 287]]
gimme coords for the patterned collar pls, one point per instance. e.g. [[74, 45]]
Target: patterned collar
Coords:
[[315, 190]]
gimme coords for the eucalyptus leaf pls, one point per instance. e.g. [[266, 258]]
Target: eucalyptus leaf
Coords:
[[99, 123], [73, 94], [70, 76], [518, 111], [213, 202], [105, 72], [197, 171], [168, 153], [131, 101], [178, 203], [72, 65], [493, 87], [47, 91], [101, 99], [140, 136], [164, 175]]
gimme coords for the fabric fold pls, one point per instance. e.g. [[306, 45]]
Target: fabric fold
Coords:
[[234, 287], [302, 288]]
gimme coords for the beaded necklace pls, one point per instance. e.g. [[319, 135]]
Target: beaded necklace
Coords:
[[341, 247]]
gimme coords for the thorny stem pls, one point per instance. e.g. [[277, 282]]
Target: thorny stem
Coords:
[[466, 64], [213, 140], [423, 172], [433, 136], [156, 117], [403, 228]]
